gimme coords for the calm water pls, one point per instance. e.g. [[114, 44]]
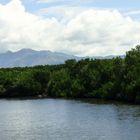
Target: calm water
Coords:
[[58, 119]]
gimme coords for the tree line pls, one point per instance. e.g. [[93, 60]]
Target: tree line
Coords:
[[113, 79]]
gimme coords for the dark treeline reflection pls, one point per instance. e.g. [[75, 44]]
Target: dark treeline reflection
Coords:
[[115, 79]]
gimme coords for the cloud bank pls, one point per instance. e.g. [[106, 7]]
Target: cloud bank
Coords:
[[84, 32]]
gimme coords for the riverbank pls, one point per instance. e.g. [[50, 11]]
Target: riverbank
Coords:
[[87, 100]]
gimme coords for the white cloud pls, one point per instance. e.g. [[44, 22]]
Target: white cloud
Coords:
[[79, 31]]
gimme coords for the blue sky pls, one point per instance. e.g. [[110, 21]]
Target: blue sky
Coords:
[[118, 4], [122, 5], [78, 27]]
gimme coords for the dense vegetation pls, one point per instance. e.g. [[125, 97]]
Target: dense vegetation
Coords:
[[117, 79]]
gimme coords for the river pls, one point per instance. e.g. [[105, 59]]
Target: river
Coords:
[[60, 119]]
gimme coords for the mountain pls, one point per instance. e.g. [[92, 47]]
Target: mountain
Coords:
[[29, 57]]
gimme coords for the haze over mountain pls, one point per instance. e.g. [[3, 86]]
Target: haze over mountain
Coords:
[[29, 57]]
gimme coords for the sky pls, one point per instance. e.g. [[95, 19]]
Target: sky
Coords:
[[77, 27]]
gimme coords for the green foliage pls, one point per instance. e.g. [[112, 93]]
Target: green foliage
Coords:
[[77, 88], [59, 84], [116, 78]]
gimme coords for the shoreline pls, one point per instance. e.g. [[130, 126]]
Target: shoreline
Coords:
[[87, 100]]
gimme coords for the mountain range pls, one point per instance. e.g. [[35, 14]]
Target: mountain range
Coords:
[[29, 57]]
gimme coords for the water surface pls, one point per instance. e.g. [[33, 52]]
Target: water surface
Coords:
[[59, 119]]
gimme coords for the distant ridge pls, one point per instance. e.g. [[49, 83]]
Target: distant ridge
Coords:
[[29, 57]]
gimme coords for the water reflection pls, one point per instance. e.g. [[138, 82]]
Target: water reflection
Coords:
[[55, 119]]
